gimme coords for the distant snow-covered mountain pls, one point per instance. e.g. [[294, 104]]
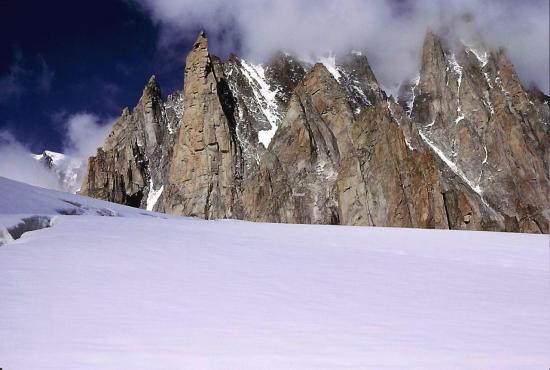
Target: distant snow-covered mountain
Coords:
[[68, 169]]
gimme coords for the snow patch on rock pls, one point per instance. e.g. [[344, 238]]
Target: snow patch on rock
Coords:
[[453, 166], [480, 53], [330, 63], [486, 155], [458, 70], [410, 102], [153, 196], [266, 98]]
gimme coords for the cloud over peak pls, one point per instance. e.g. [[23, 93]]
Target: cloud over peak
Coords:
[[389, 31]]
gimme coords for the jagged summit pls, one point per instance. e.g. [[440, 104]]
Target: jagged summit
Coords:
[[152, 89], [202, 42], [153, 83], [299, 142], [201, 36]]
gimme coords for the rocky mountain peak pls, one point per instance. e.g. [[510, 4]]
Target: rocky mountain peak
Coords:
[[433, 55], [152, 85], [202, 41], [199, 55], [319, 74], [288, 141], [152, 81], [466, 105], [287, 71]]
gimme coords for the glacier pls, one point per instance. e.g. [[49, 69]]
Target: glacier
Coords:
[[111, 287]]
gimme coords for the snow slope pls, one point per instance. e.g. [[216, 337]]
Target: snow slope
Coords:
[[20, 202], [142, 292]]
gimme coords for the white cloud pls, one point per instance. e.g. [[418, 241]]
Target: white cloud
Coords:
[[85, 133], [391, 32], [17, 163]]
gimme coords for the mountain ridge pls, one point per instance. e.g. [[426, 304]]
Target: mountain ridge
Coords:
[[286, 142]]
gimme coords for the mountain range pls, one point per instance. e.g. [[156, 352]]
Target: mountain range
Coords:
[[464, 145]]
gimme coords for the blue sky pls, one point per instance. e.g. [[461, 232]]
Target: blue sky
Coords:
[[67, 57], [63, 59]]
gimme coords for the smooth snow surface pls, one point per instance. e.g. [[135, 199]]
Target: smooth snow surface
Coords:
[[138, 292]]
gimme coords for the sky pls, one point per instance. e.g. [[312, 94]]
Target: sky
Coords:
[[67, 67], [71, 58]]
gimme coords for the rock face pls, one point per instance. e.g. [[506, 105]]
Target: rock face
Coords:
[[132, 166], [463, 147], [204, 172], [490, 135]]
